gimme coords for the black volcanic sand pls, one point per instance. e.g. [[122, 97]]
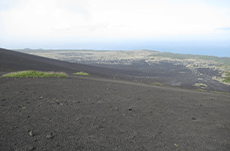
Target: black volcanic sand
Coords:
[[93, 113], [169, 73]]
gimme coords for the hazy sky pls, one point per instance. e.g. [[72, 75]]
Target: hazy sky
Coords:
[[95, 24]]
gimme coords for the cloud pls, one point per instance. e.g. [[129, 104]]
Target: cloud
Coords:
[[8, 4], [74, 6], [223, 28], [109, 18], [39, 17]]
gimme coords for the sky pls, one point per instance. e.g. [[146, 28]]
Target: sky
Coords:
[[180, 26]]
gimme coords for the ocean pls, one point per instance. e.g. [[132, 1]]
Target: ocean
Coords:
[[195, 48]]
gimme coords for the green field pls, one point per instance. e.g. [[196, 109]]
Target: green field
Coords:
[[82, 73], [34, 74]]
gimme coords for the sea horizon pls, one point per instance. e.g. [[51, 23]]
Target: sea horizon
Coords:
[[218, 51]]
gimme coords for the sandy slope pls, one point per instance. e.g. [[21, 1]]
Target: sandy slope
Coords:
[[177, 70], [92, 113]]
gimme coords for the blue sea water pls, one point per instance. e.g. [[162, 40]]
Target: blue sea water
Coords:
[[219, 49], [199, 50]]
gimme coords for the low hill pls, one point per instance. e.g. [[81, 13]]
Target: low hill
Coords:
[[11, 61]]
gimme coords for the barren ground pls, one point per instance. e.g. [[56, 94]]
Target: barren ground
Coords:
[[99, 113], [151, 67]]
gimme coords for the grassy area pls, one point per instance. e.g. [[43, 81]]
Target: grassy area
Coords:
[[224, 93], [212, 91], [81, 73], [35, 74], [159, 84], [227, 79], [220, 61]]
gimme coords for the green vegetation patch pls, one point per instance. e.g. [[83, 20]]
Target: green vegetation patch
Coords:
[[227, 78], [159, 84], [228, 74], [224, 93], [35, 74], [81, 73]]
